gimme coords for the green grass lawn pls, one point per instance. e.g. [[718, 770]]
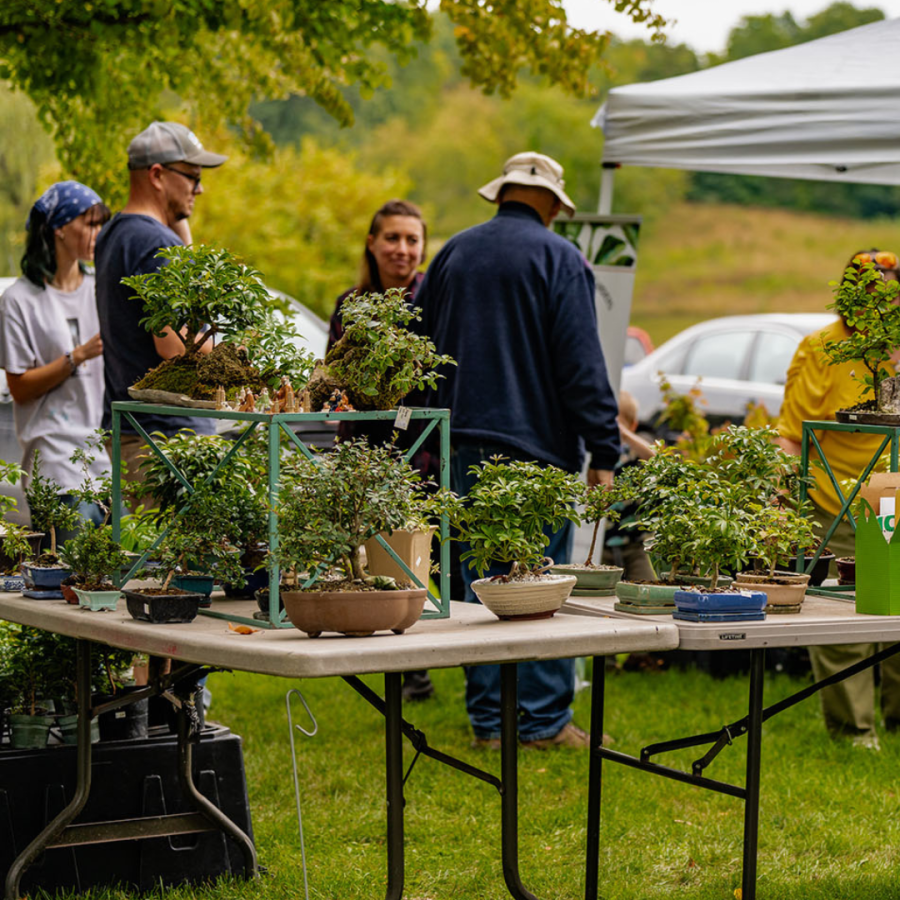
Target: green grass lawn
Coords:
[[829, 815]]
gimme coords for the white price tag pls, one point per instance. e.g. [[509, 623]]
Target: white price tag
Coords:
[[404, 413]]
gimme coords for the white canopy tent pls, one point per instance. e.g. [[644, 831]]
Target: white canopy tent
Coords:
[[824, 110]]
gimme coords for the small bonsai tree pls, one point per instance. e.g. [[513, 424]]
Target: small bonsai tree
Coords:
[[329, 506], [94, 557], [378, 360], [599, 504], [778, 532], [868, 305], [48, 511], [504, 516], [203, 293]]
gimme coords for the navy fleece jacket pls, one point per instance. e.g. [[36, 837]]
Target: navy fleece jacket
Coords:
[[513, 304]]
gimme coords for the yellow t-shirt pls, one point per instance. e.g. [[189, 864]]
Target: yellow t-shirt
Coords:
[[815, 390]]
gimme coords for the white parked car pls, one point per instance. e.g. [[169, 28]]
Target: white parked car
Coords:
[[314, 332], [738, 359]]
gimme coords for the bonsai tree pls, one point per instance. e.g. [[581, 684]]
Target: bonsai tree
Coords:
[[378, 360], [48, 511], [204, 293], [778, 531], [868, 305], [504, 516], [94, 557], [329, 506], [599, 504]]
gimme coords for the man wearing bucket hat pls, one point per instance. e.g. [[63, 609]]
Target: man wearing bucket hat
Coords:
[[513, 304], [165, 162]]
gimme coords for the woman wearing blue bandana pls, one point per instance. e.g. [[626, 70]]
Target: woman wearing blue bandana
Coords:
[[50, 341]]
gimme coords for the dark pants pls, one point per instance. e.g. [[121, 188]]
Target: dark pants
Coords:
[[546, 688]]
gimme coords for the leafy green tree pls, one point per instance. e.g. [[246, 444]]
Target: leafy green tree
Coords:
[[98, 72]]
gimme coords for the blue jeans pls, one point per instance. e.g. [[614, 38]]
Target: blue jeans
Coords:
[[546, 688]]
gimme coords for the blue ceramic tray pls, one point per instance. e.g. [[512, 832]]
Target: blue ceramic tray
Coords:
[[688, 615], [698, 601], [43, 595]]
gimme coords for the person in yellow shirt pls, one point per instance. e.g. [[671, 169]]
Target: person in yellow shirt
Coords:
[[815, 390]]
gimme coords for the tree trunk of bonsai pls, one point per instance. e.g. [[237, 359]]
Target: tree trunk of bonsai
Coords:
[[357, 572], [888, 397], [590, 558]]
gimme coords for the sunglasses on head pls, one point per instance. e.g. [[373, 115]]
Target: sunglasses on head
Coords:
[[884, 259]]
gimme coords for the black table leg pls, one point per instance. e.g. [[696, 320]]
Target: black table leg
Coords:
[[82, 783], [393, 742], [592, 859], [509, 775], [754, 748]]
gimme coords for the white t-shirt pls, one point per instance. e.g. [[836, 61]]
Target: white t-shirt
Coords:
[[38, 325]]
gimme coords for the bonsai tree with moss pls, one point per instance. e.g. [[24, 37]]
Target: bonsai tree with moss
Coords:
[[329, 506], [49, 512], [94, 557], [204, 294], [378, 360], [868, 305], [504, 516]]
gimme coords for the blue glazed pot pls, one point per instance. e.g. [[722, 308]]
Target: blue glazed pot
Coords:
[[726, 601], [45, 579]]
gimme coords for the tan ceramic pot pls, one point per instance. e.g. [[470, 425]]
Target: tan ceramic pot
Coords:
[[784, 596], [537, 599], [413, 547], [354, 613]]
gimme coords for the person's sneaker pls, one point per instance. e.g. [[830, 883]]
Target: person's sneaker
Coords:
[[417, 685], [485, 743], [570, 735], [866, 741]]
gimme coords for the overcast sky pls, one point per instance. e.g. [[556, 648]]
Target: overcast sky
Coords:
[[702, 24]]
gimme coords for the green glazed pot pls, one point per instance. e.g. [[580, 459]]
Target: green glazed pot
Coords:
[[97, 600], [601, 580], [647, 594], [724, 581]]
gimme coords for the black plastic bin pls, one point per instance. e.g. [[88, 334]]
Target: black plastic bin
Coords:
[[130, 779]]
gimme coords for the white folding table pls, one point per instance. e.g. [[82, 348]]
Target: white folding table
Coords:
[[471, 636]]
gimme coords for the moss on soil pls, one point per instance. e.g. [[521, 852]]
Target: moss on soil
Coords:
[[198, 375]]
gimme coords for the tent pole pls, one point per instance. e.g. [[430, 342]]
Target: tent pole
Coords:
[[607, 182]]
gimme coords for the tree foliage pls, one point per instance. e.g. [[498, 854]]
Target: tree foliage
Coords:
[[99, 71]]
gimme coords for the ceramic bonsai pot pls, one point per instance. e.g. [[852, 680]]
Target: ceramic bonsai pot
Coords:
[[723, 581], [785, 592], [354, 613], [97, 600], [537, 599], [846, 566], [12, 584], [196, 584], [598, 581], [413, 547], [262, 600], [67, 586], [820, 569], [43, 582], [162, 609], [649, 594]]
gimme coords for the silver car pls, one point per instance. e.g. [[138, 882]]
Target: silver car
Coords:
[[306, 323], [738, 360]]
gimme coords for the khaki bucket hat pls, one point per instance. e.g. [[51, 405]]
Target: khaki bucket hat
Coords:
[[532, 170]]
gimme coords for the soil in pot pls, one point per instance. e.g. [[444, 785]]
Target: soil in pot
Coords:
[[162, 607], [531, 597], [356, 613]]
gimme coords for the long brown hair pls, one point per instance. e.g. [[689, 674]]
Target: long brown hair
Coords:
[[369, 277]]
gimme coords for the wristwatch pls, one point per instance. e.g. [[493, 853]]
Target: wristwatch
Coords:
[[70, 361]]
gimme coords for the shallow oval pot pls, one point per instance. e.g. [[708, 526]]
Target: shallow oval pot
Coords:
[[162, 609], [354, 613], [97, 600], [600, 581], [647, 594], [538, 599], [785, 596]]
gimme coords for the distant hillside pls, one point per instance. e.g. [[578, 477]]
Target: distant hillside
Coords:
[[698, 261]]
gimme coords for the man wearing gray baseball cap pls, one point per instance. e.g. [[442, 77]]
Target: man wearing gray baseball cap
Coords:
[[165, 163]]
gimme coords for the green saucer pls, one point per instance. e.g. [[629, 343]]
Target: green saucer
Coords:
[[592, 593]]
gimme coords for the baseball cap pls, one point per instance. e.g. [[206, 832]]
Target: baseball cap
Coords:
[[168, 142], [533, 170]]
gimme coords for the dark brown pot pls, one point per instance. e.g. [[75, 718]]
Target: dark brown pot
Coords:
[[354, 613], [846, 567]]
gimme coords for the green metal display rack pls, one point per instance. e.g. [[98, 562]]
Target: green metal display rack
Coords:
[[275, 425], [891, 436]]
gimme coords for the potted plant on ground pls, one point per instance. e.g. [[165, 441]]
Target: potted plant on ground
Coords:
[[378, 360], [868, 305], [204, 293], [49, 513], [328, 507], [597, 580], [504, 518]]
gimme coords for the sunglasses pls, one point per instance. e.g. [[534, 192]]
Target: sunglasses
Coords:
[[194, 179], [884, 259]]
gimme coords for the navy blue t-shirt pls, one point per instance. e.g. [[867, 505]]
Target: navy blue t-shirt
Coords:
[[513, 304], [127, 245]]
